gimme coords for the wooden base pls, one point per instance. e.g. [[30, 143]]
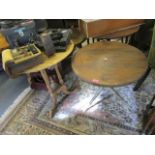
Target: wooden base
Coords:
[[54, 93]]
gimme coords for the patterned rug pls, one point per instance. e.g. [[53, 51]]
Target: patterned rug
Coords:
[[114, 111]]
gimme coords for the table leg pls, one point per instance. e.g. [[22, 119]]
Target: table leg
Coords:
[[96, 95], [88, 41], [122, 40], [152, 117], [117, 94], [142, 79], [64, 88], [29, 79], [98, 102], [126, 39], [152, 130], [76, 84], [51, 92]]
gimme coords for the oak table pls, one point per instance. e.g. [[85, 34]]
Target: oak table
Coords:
[[52, 61], [109, 64], [120, 34]]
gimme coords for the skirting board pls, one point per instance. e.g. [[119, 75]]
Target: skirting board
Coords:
[[14, 107]]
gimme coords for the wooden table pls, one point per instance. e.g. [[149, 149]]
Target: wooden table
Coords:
[[102, 27], [109, 64], [122, 33], [52, 61]]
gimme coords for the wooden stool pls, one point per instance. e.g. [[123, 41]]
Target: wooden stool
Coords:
[[109, 64], [52, 61]]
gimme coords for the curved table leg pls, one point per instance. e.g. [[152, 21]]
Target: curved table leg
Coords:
[[51, 92], [64, 88]]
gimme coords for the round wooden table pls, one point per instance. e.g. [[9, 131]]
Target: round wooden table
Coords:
[[109, 64], [52, 61]]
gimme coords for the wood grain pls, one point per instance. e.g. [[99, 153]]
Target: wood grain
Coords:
[[109, 63], [120, 34], [96, 28]]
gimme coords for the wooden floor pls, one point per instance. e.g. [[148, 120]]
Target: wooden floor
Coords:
[[10, 90]]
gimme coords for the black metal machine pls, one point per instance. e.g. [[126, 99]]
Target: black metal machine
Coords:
[[60, 38]]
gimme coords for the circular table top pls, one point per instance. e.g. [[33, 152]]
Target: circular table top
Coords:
[[52, 60], [109, 63]]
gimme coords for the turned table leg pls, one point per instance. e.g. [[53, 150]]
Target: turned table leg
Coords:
[[64, 88], [51, 92], [29, 79]]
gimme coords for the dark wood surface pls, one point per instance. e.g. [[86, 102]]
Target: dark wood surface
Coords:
[[122, 33], [109, 64], [101, 27]]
